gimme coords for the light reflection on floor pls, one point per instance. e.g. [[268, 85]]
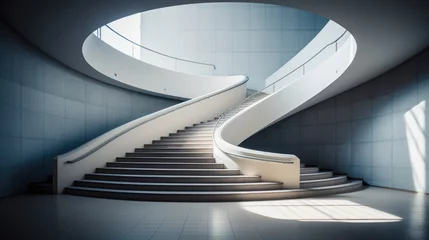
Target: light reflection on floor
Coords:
[[319, 211]]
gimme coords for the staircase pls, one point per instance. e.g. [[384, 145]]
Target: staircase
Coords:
[[181, 167]]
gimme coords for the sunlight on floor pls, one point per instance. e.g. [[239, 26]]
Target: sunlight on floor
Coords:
[[320, 211]]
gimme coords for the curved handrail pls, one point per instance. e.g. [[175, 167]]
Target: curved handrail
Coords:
[[154, 51], [149, 117], [260, 91]]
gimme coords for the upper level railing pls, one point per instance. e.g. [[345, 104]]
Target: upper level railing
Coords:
[[140, 52], [295, 73]]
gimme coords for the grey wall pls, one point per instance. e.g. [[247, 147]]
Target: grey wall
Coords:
[[47, 109], [251, 39], [377, 131]]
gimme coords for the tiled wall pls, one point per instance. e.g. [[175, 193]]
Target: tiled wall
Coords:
[[47, 109], [239, 38], [377, 130]]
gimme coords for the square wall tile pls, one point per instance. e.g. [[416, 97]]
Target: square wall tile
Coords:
[[75, 89], [343, 133], [54, 127], [382, 154], [362, 154], [405, 98], [305, 20], [241, 16], [382, 105], [382, 176], [362, 109], [10, 93], [10, 152], [343, 155], [54, 105], [75, 110], [402, 178], [290, 40], [10, 119], [362, 130], [363, 172], [326, 134], [54, 80], [257, 16], [290, 18], [382, 128], [326, 115], [95, 94], [241, 41], [273, 19], [32, 124], [402, 153], [343, 113], [326, 158], [32, 99]]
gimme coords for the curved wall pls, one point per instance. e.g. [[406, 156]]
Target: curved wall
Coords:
[[48, 109], [249, 39], [377, 131]]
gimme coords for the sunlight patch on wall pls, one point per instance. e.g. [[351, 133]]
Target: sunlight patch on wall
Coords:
[[320, 211], [415, 131]]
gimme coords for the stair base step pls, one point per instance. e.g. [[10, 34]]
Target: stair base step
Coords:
[[213, 196]]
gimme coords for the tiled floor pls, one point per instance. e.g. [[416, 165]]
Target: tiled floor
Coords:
[[373, 213]]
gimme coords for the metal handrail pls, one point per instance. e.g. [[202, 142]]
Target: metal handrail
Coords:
[[271, 84], [154, 51]]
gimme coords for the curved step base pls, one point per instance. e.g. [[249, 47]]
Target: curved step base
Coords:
[[178, 196]]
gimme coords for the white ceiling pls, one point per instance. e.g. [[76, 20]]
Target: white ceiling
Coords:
[[387, 32]]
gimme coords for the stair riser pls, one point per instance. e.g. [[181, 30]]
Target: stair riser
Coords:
[[324, 183], [187, 137], [177, 154], [174, 166], [174, 179], [212, 197], [193, 150], [192, 134], [309, 170], [316, 177], [178, 188], [197, 129], [166, 172], [179, 141], [179, 160], [172, 145]]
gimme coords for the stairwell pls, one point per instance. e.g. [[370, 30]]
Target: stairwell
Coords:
[[181, 167]]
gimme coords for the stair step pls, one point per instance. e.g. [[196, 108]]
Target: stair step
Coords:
[[309, 170], [138, 186], [211, 196], [167, 171], [185, 141], [167, 159], [323, 182], [177, 145], [173, 178], [166, 165], [188, 137], [170, 154], [192, 134], [196, 130], [207, 126], [314, 176], [177, 149]]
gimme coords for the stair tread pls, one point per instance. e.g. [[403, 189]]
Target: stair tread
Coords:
[[167, 163], [173, 176], [180, 184], [350, 183], [171, 169], [316, 173], [324, 179]]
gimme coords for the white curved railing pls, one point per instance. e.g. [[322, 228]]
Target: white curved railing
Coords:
[[74, 164], [152, 56], [303, 82]]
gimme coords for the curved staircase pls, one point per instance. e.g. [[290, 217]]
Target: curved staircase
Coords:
[[181, 167]]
